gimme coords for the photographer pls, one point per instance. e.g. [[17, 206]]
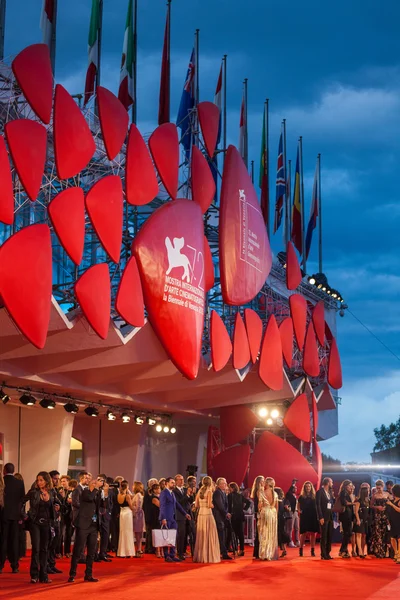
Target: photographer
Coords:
[[115, 512]]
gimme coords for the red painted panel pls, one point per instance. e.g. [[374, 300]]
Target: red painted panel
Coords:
[[245, 254], [220, 342], [27, 141], [73, 142], [334, 367], [254, 328], [170, 252], [317, 462], [286, 331], [297, 418], [314, 409], [203, 184], [140, 177], [6, 192], [208, 266], [104, 203], [310, 354], [298, 311], [318, 318], [129, 299], [241, 351], [236, 423], [164, 148], [232, 464], [93, 292], [273, 457], [67, 215], [326, 401], [293, 273], [271, 362], [26, 281], [209, 116], [114, 121], [32, 70]]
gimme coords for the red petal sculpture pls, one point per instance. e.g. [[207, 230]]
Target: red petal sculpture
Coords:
[[104, 203], [140, 177], [32, 70], [317, 461], [73, 142], [334, 367], [26, 281], [314, 409], [236, 423], [167, 249], [298, 310], [293, 273], [6, 192], [27, 141], [232, 463], [114, 121], [203, 184], [286, 331], [310, 355], [273, 457], [271, 362], [93, 292], [245, 254], [241, 350], [220, 342], [164, 148], [209, 116], [67, 215], [129, 299], [297, 418], [208, 266], [254, 328], [318, 318]]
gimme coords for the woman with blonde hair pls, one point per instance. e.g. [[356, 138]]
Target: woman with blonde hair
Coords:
[[308, 516], [138, 515], [258, 483], [206, 549], [268, 521]]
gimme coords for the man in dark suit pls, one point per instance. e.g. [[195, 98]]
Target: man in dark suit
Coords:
[[325, 501], [168, 508], [14, 493], [55, 541], [105, 516], [85, 501], [221, 514], [181, 537]]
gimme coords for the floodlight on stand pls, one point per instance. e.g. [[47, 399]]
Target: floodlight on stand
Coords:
[[71, 407], [173, 429], [166, 429], [4, 397], [275, 413], [150, 421], [27, 400], [139, 420], [263, 412], [159, 428], [47, 403], [125, 418], [270, 421], [111, 416], [91, 411]]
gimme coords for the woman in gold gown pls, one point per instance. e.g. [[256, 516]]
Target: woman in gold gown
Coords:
[[268, 521], [206, 549]]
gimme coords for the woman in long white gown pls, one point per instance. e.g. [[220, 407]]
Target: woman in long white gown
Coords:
[[126, 546], [268, 521]]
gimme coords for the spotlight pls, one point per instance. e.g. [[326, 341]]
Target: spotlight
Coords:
[[270, 421], [125, 418], [27, 399], [275, 413], [150, 421], [312, 280], [110, 415], [91, 411], [173, 429], [334, 294], [328, 291], [166, 429], [159, 428], [263, 412], [139, 420], [47, 403], [70, 407], [4, 397]]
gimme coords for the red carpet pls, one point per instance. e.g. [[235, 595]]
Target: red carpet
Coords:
[[242, 578]]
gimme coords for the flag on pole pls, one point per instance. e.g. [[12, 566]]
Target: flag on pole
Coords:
[[164, 100], [93, 50], [186, 106], [242, 129], [126, 92], [47, 21], [280, 186], [312, 223], [297, 230], [264, 174]]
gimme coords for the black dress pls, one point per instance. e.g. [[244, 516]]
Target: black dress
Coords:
[[308, 516], [363, 513], [283, 537], [155, 513], [394, 520], [380, 529]]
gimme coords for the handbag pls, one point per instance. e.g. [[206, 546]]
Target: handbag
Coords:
[[338, 506], [163, 537]]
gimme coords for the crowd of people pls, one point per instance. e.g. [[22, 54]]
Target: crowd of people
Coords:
[[176, 519]]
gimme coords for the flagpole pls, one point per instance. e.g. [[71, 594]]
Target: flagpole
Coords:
[[224, 103], [266, 165], [252, 171], [99, 38], [246, 147], [134, 105], [196, 84], [53, 40], [3, 4], [319, 214], [287, 200], [303, 237]]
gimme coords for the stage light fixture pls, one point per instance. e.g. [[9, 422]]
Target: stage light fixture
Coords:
[[263, 412], [110, 415], [275, 413], [334, 294], [166, 429], [139, 420], [47, 403], [312, 280], [91, 411], [125, 418], [27, 400], [328, 291], [71, 407], [270, 421], [150, 421], [173, 429], [159, 428], [4, 397]]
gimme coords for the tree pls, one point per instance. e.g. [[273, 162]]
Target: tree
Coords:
[[328, 462], [387, 437]]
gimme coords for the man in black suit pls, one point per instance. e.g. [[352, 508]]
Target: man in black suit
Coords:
[[85, 500], [105, 516], [181, 538], [325, 501], [14, 493], [55, 541], [220, 501]]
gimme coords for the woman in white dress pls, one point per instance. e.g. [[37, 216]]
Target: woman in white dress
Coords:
[[126, 546], [268, 521], [138, 515]]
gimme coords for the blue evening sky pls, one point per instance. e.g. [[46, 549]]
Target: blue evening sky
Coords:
[[333, 71]]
